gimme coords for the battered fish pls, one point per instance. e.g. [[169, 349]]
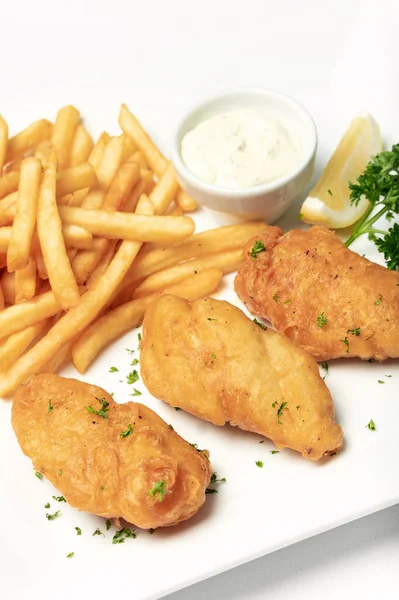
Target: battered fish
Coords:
[[209, 359], [321, 295], [113, 460]]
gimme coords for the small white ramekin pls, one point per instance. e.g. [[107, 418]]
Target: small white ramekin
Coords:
[[267, 201]]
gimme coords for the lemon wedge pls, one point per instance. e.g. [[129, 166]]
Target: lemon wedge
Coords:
[[328, 203]]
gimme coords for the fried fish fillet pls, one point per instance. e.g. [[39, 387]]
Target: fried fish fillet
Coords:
[[113, 460], [209, 359], [321, 295]]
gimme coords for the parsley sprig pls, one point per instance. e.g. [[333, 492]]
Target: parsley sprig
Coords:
[[379, 183], [103, 411]]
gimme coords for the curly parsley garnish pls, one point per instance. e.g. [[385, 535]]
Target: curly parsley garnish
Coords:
[[127, 432], [259, 324], [321, 320], [160, 489], [103, 411], [379, 184], [257, 248]]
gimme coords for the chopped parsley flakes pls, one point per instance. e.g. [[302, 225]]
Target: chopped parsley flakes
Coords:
[[324, 365], [321, 320], [102, 412], [70, 554], [274, 451], [380, 381], [113, 370], [378, 302], [123, 534], [213, 355], [59, 498], [345, 341], [256, 248], [53, 516], [275, 298], [132, 377], [78, 531], [50, 408], [354, 331], [371, 425], [282, 407], [108, 524], [38, 475], [135, 393], [259, 464], [47, 505], [98, 532], [259, 324], [134, 362], [127, 432], [160, 489]]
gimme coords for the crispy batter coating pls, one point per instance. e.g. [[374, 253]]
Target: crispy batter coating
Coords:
[[209, 359], [321, 295], [97, 470]]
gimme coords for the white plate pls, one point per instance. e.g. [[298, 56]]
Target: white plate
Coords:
[[107, 60]]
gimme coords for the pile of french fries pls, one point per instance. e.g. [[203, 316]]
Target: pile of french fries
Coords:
[[90, 234]]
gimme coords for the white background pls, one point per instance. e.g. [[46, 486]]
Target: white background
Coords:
[[159, 58]]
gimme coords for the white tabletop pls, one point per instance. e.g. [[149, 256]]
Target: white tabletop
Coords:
[[356, 561], [179, 51]]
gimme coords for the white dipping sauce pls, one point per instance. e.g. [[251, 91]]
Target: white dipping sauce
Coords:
[[240, 149]]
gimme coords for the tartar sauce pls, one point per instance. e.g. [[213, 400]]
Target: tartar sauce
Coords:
[[240, 149]]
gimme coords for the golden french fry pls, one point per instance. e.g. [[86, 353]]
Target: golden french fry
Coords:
[[7, 208], [130, 125], [175, 211], [102, 264], [208, 242], [43, 151], [140, 159], [8, 287], [96, 155], [16, 344], [3, 142], [75, 178], [14, 165], [129, 147], [165, 190], [126, 226], [126, 178], [64, 131], [9, 183], [77, 237], [81, 148], [58, 360], [144, 186], [77, 318], [52, 246], [25, 282], [28, 138], [23, 315], [124, 318], [2, 305], [84, 262], [40, 266], [186, 203], [20, 244], [224, 261], [5, 236], [111, 162]]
